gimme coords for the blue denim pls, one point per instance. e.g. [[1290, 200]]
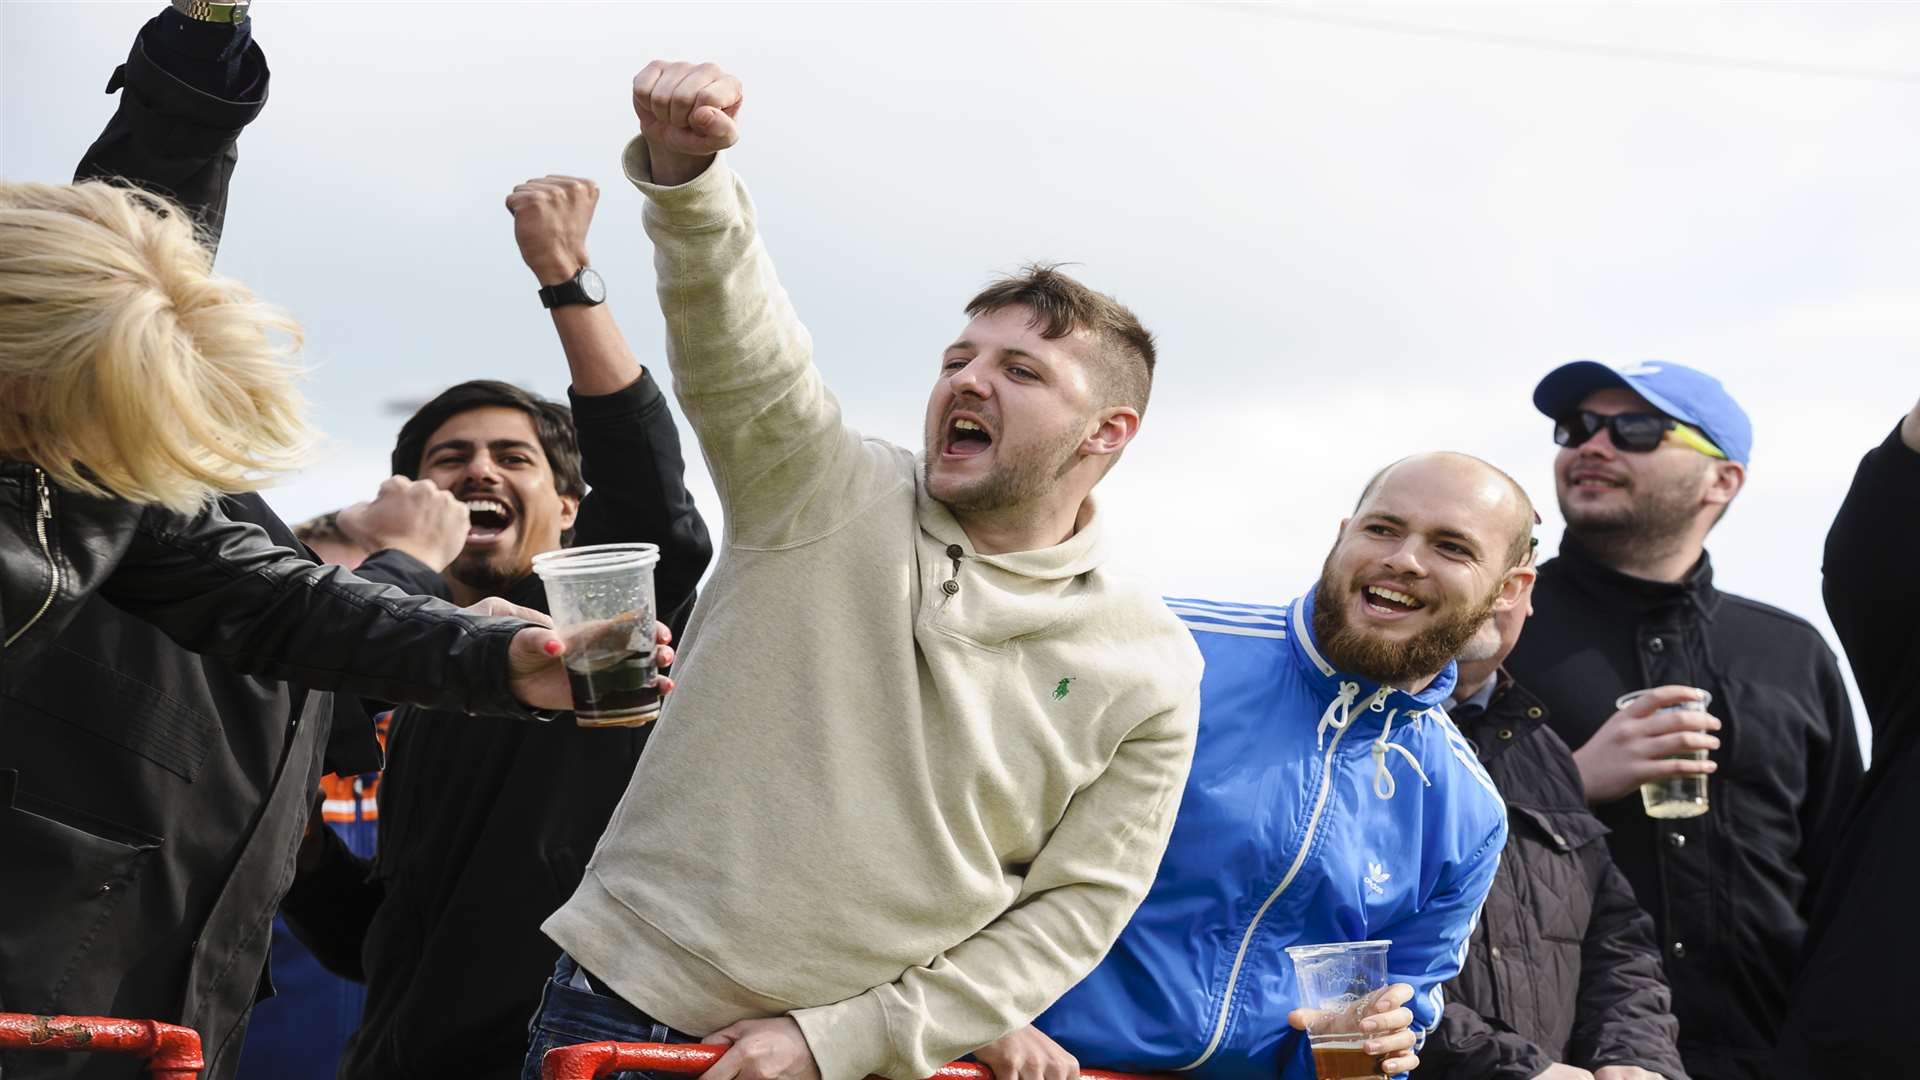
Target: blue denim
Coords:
[[568, 1016]]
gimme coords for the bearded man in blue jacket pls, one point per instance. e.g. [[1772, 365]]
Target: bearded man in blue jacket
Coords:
[[1330, 800]]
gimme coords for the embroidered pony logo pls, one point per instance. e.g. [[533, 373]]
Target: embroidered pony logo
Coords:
[[1060, 688]]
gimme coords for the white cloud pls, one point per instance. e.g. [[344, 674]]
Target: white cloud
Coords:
[[1353, 244]]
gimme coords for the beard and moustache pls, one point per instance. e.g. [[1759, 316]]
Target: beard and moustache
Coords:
[[1018, 479], [1374, 656], [492, 573], [1655, 520]]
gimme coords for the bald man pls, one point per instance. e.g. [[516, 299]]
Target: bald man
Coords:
[[1330, 800]]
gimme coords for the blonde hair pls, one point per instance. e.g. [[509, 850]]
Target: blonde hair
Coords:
[[126, 367]]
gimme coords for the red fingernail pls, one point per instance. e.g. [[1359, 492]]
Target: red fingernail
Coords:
[[553, 648]]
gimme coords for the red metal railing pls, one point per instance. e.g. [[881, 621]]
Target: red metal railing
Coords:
[[589, 1061], [170, 1051]]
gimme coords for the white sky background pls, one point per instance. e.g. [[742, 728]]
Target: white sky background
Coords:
[[1353, 244]]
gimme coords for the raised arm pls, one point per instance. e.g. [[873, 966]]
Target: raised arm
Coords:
[[629, 445], [786, 468], [1869, 581], [189, 87]]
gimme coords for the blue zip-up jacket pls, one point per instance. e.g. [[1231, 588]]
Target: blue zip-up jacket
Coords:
[[1321, 807]]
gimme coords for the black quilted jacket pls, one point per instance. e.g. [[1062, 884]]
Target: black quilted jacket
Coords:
[[1564, 966]]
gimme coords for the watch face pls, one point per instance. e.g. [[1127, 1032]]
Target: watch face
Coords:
[[591, 284]]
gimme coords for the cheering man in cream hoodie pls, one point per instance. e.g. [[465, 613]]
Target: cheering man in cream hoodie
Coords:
[[926, 752]]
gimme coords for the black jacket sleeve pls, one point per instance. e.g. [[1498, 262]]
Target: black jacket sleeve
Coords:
[[1625, 1010], [332, 902], [403, 572], [1834, 774], [1467, 1046], [636, 476], [177, 135], [1870, 586], [222, 588]]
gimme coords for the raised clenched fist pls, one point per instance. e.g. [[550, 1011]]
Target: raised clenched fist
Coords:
[[415, 516], [550, 219], [687, 114]]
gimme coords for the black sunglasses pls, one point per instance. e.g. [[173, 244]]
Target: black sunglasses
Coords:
[[1636, 433]]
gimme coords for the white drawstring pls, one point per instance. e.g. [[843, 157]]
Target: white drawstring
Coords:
[[1383, 785], [1343, 702], [1339, 714]]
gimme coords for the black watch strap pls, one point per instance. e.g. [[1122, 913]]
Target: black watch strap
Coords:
[[584, 287]]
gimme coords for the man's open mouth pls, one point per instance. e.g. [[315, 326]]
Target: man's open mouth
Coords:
[[967, 437], [487, 519], [1384, 600]]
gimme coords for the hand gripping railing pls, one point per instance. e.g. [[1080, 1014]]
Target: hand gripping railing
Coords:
[[589, 1061], [171, 1052]]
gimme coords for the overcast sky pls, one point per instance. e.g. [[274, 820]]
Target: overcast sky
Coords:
[[1353, 242]]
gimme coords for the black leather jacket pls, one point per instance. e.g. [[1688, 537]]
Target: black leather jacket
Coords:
[[151, 798], [224, 589]]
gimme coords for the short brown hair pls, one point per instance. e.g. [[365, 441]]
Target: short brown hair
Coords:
[[1062, 306]]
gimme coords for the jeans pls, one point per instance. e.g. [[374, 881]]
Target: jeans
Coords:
[[569, 1015]]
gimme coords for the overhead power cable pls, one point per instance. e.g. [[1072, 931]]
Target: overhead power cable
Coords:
[[1616, 52]]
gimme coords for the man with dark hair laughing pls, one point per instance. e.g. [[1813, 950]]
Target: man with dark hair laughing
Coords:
[[486, 828]]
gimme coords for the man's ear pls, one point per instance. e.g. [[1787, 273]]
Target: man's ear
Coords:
[[1724, 481], [1118, 426], [1515, 588], [569, 509]]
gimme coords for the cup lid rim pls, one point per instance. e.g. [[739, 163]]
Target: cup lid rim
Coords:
[[1704, 701], [604, 563], [591, 551], [1338, 947]]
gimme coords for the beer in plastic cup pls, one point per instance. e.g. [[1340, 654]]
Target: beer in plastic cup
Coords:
[[1341, 982], [1675, 797], [601, 600]]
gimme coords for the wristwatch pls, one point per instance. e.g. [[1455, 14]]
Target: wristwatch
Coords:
[[232, 11], [584, 287]]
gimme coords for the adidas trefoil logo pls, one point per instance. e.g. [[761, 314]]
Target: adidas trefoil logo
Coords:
[[1376, 877]]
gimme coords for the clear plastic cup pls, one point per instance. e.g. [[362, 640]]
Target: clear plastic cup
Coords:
[[1675, 797], [1340, 982], [601, 600]]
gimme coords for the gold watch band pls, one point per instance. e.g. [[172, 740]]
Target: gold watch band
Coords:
[[231, 11]]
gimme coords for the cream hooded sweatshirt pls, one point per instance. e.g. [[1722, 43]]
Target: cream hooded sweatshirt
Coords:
[[907, 793]]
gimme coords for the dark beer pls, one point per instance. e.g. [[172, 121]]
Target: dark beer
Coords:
[[610, 690], [1345, 1061]]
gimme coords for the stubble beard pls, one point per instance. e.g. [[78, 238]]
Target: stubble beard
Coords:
[[1350, 648], [1015, 482], [1655, 521], [487, 576]]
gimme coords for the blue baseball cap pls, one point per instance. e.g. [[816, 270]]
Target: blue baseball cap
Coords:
[[1690, 396]]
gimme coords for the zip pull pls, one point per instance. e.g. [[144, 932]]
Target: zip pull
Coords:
[[42, 514]]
